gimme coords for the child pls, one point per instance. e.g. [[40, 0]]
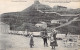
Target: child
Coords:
[[51, 40]]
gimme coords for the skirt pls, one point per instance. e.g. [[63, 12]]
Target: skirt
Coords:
[[54, 43]]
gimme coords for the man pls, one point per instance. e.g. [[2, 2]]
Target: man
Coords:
[[44, 36]]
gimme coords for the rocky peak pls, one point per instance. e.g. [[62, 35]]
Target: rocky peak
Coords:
[[36, 2]]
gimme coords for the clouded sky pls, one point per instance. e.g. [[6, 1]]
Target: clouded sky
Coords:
[[19, 5]]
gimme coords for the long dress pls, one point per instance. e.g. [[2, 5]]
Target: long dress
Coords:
[[53, 41], [31, 40]]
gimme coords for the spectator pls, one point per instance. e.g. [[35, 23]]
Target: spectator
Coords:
[[44, 37], [31, 40], [53, 41]]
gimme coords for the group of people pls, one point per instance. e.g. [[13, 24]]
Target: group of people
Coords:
[[45, 37]]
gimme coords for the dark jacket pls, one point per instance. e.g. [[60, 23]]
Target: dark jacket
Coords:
[[44, 34]]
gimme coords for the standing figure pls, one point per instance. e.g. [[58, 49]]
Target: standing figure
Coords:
[[44, 37], [31, 40], [53, 41]]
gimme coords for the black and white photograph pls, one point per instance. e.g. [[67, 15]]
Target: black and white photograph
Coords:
[[39, 24]]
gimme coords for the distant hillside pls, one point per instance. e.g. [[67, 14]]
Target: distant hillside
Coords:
[[31, 15], [73, 28], [65, 10]]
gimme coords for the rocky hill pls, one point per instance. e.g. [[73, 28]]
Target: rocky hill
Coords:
[[32, 15]]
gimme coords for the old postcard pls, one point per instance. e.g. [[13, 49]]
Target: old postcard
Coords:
[[39, 24]]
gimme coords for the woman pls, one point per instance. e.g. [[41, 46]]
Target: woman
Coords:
[[53, 41], [31, 40]]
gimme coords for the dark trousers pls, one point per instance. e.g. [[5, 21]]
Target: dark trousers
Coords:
[[45, 41]]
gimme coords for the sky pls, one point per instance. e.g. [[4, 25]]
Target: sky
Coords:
[[19, 5]]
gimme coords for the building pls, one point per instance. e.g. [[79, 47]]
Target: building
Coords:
[[61, 21], [4, 28], [54, 21], [41, 24]]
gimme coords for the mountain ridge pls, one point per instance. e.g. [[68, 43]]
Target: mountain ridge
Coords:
[[33, 15]]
